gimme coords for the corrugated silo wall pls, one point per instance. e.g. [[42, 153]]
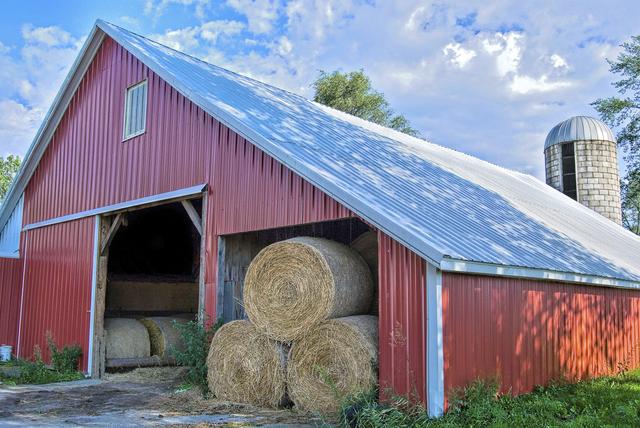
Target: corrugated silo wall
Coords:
[[529, 332], [10, 280], [87, 166]]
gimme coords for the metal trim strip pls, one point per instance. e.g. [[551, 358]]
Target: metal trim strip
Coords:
[[480, 268], [160, 197], [94, 281], [435, 342]]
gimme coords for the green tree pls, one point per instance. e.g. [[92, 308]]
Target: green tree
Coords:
[[8, 170], [623, 114], [352, 93], [631, 201]]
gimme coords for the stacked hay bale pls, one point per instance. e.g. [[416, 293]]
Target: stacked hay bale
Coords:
[[308, 295]]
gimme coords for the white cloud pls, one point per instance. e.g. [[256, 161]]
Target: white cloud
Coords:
[[284, 46], [18, 124], [414, 19], [189, 38], [558, 62], [458, 55], [159, 8], [48, 36], [528, 84], [508, 50], [261, 14], [183, 39], [30, 76], [211, 30]]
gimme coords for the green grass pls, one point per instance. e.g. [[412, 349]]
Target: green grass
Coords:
[[36, 372], [603, 402]]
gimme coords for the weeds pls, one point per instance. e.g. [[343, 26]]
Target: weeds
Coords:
[[606, 401], [37, 372], [196, 338], [64, 360]]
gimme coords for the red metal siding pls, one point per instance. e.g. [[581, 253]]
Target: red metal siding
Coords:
[[530, 332], [87, 165], [57, 290], [10, 281], [402, 320]]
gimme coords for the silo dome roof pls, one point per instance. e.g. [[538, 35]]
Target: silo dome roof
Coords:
[[579, 128]]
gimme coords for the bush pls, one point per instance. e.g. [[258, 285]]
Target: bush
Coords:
[[65, 360], [196, 338], [605, 401], [36, 372]]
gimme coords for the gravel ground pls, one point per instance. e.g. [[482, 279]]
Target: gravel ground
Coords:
[[142, 397]]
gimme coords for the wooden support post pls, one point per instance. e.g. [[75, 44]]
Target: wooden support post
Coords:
[[120, 219], [193, 215]]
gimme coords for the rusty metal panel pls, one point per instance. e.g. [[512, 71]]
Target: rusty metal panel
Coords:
[[57, 287], [530, 332], [10, 280], [402, 320]]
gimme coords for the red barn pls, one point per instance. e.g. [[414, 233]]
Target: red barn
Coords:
[[155, 177]]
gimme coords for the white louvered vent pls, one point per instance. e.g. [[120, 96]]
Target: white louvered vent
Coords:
[[135, 111]]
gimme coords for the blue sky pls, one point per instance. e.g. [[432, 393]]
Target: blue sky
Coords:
[[487, 80]]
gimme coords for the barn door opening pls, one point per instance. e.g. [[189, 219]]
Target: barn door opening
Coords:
[[149, 278]]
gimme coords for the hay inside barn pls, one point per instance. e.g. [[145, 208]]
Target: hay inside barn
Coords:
[[164, 337], [126, 338], [245, 366], [293, 285], [338, 357]]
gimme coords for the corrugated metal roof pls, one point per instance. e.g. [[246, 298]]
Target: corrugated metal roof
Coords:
[[440, 203], [579, 128]]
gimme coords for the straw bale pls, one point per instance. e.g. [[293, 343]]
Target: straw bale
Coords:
[[339, 357], [293, 285], [245, 366]]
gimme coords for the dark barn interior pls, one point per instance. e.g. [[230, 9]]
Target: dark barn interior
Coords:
[[154, 264]]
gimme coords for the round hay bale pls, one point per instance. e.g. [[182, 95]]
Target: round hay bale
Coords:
[[295, 284], [126, 338], [339, 357], [367, 246], [164, 337], [245, 366]]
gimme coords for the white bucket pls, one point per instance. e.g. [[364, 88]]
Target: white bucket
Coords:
[[5, 352]]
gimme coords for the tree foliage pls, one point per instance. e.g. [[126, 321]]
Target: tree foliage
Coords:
[[623, 113], [352, 93], [631, 201], [8, 170]]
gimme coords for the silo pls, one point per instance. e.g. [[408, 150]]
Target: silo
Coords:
[[581, 161]]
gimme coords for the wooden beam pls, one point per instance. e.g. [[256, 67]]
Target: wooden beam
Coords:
[[151, 361], [120, 218], [193, 215]]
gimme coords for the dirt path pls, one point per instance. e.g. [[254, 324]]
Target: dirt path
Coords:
[[144, 397]]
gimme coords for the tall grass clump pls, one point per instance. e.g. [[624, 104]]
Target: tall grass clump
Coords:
[[196, 338]]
